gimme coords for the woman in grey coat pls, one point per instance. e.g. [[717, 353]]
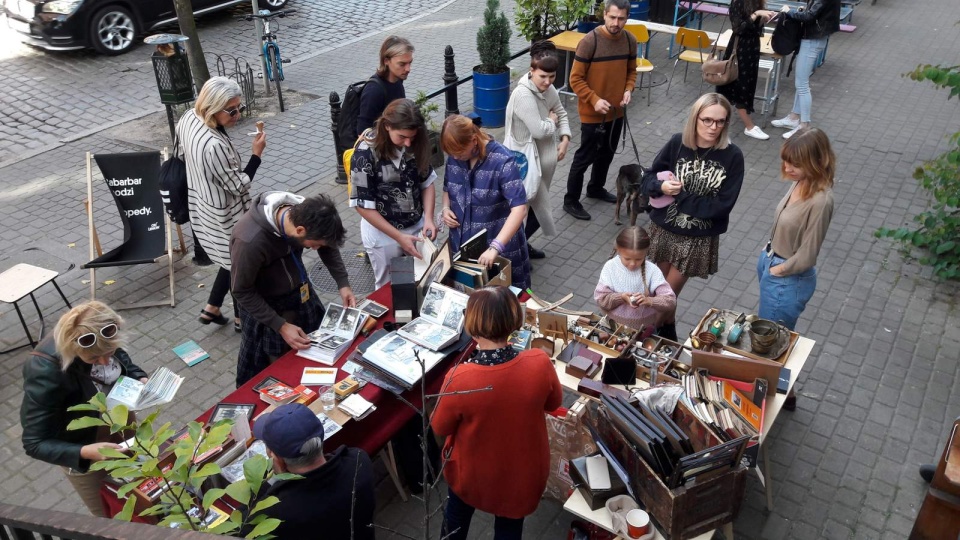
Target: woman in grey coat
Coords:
[[535, 112]]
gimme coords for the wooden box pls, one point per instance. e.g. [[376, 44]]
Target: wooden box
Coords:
[[689, 510], [617, 333], [667, 349], [742, 346]]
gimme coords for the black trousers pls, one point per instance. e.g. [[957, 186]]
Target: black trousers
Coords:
[[221, 286], [532, 226], [597, 147]]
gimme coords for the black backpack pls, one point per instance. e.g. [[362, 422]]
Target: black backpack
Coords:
[[173, 187], [350, 111], [786, 38]]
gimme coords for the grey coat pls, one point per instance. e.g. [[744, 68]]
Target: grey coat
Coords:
[[529, 119]]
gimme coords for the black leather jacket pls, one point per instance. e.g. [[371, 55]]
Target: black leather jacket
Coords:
[[47, 393], [820, 19]]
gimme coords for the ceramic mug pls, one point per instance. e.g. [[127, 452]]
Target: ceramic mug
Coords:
[[638, 523]]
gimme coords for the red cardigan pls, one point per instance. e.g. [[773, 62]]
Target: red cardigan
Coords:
[[497, 440]]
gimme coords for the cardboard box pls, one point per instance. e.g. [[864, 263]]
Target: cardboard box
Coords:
[[504, 278]]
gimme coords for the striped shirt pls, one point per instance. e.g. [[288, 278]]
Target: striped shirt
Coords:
[[604, 67], [218, 188]]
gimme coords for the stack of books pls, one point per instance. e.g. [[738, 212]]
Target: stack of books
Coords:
[[337, 331], [728, 412]]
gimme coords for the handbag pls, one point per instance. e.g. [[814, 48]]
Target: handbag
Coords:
[[720, 72], [526, 155], [173, 186]]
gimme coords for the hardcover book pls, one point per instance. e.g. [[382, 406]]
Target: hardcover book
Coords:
[[441, 318], [278, 394]]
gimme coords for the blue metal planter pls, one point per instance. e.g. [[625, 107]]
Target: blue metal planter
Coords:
[[490, 95]]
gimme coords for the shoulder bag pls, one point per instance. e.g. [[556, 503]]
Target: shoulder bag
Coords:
[[720, 72], [526, 155]]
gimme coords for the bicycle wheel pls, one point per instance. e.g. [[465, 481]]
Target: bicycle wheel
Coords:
[[277, 73]]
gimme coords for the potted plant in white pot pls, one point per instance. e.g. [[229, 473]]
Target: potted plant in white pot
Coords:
[[491, 78]]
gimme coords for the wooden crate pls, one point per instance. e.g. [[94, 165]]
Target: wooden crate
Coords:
[[620, 332], [744, 342], [689, 510]]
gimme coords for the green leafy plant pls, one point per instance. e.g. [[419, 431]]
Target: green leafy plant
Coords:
[[541, 19], [176, 471], [938, 233], [493, 40], [427, 109]]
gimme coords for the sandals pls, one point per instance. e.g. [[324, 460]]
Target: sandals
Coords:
[[236, 327], [206, 318]]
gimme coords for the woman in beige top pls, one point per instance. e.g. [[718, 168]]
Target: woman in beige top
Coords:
[[787, 265]]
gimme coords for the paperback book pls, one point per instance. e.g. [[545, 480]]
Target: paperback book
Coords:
[[137, 396], [191, 353], [441, 318]]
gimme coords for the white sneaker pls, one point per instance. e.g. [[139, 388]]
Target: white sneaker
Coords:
[[786, 122], [756, 133], [790, 133]]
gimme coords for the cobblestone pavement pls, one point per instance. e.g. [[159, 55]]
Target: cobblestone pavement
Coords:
[[53, 97], [875, 398]]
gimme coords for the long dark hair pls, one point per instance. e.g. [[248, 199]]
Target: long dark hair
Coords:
[[749, 6], [403, 114]]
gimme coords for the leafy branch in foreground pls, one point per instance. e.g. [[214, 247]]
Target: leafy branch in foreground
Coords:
[[178, 470]]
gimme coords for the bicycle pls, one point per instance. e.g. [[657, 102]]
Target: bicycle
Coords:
[[271, 49]]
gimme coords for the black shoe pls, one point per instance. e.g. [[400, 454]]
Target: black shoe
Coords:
[[927, 471], [576, 211], [604, 196], [535, 253], [206, 318]]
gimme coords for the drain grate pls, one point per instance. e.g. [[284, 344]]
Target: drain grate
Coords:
[[359, 270]]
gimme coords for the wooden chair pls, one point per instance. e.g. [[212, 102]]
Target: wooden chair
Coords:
[[644, 65], [693, 50], [939, 516]]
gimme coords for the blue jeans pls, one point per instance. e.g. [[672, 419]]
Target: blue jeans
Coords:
[[810, 50], [458, 514], [782, 299]]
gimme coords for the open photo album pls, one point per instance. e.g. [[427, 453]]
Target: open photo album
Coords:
[[441, 318]]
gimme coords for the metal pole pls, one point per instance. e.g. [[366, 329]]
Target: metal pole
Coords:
[[450, 77], [335, 128], [259, 30], [171, 123]]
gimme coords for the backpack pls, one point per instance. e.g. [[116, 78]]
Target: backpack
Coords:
[[786, 38], [350, 110], [173, 187]]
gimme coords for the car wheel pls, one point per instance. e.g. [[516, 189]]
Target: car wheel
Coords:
[[274, 5], [112, 30]]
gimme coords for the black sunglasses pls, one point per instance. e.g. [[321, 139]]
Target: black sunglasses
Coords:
[[236, 110], [89, 340]]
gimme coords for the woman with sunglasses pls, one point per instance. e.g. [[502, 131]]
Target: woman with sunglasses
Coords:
[[693, 184], [219, 189], [83, 356]]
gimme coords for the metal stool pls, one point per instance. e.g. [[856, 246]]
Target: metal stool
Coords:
[[21, 280]]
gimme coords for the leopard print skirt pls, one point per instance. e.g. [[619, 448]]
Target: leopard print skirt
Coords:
[[694, 256]]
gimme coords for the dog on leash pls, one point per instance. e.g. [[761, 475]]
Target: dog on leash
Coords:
[[628, 191]]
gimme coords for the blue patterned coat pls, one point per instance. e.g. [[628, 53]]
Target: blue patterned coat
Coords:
[[482, 198]]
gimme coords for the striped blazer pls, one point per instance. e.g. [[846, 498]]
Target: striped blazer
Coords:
[[218, 189]]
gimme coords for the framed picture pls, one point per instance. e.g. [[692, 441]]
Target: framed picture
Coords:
[[374, 309], [228, 411], [269, 381]]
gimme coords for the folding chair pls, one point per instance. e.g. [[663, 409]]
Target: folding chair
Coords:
[[644, 65], [133, 179], [692, 44]]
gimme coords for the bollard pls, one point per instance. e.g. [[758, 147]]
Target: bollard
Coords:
[[335, 128], [449, 82]]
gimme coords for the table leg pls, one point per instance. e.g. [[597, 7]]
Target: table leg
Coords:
[[67, 302], [24, 324], [768, 481]]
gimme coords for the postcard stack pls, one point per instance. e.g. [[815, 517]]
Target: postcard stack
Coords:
[[337, 331]]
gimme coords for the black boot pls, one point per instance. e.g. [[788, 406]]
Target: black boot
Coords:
[[927, 471]]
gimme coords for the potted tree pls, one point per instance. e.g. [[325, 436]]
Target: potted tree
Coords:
[[433, 130], [491, 78], [537, 20], [590, 14]]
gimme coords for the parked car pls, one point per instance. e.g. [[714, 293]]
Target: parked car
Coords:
[[108, 26]]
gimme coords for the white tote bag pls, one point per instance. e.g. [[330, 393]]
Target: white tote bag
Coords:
[[528, 149]]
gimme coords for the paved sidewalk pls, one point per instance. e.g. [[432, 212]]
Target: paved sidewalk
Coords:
[[875, 398]]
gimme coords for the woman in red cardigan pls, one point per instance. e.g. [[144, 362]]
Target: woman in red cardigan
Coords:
[[497, 451]]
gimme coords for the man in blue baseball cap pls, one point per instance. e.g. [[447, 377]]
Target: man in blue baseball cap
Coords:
[[319, 504]]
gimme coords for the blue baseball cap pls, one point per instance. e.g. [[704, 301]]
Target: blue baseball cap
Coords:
[[286, 429]]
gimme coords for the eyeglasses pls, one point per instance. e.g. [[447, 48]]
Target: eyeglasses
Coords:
[[236, 110], [710, 122], [89, 340]]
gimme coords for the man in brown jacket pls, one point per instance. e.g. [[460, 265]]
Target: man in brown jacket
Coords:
[[603, 76]]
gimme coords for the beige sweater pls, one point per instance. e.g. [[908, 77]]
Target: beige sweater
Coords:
[[799, 229]]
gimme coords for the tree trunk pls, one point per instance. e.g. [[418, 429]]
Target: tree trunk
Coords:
[[188, 27]]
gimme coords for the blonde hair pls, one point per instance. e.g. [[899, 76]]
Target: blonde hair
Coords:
[[89, 317], [459, 133], [690, 128], [391, 47], [213, 98], [809, 149]]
